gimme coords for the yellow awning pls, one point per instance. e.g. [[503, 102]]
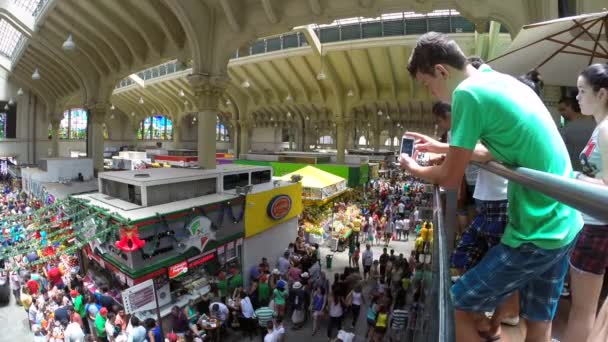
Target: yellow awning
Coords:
[[314, 178]]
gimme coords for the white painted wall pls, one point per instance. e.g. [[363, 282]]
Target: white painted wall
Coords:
[[270, 244]]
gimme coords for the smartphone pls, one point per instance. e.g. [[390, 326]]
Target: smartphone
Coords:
[[407, 146]]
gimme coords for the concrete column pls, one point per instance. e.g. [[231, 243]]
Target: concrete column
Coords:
[[55, 123], [291, 138], [177, 135], [207, 92], [134, 127], [376, 140], [244, 137], [340, 142], [97, 116], [235, 135]]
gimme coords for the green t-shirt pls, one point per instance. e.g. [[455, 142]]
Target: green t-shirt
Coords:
[[100, 325], [516, 127], [235, 281], [222, 287]]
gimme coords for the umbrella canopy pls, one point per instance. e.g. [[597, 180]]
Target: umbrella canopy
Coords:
[[558, 49]]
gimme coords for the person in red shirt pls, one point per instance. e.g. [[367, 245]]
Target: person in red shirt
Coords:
[[33, 286], [54, 276], [75, 316]]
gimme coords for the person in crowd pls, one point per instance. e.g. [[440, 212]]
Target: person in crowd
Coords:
[[399, 319], [279, 296], [247, 315], [279, 330], [220, 312], [100, 324], [112, 330], [318, 304], [25, 298], [589, 259], [73, 332], [138, 332], [298, 305], [75, 316], [383, 261], [153, 331], [336, 313], [355, 298], [381, 323], [576, 130], [15, 283], [368, 260], [264, 315], [270, 334], [179, 321], [264, 288], [283, 264], [92, 309], [516, 128]]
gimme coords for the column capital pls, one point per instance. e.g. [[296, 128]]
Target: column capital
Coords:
[[207, 90], [98, 111], [55, 120]]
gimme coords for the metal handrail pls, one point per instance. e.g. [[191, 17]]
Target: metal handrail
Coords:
[[442, 322], [588, 198]]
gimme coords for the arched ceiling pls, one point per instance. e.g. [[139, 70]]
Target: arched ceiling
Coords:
[[284, 90], [115, 38]]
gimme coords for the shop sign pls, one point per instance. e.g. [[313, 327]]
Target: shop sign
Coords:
[[139, 297], [201, 260], [200, 234], [178, 269], [279, 207]]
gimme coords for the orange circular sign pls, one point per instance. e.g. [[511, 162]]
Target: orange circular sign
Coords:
[[279, 207]]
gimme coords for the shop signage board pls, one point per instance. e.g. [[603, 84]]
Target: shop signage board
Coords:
[[279, 206], [200, 234], [193, 262], [139, 297], [178, 269]]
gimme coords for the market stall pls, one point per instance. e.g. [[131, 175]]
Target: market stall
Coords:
[[318, 186]]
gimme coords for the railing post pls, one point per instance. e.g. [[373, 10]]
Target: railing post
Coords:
[[450, 219]]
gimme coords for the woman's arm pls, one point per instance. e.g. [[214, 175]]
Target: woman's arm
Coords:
[[151, 336], [603, 146]]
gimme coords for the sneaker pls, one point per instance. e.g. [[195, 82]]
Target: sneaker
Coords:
[[455, 278], [565, 291]]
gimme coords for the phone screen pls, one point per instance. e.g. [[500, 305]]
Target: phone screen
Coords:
[[407, 146]]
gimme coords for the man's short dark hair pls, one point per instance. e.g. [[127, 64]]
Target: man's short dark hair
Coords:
[[570, 102], [442, 109], [435, 48], [475, 61]]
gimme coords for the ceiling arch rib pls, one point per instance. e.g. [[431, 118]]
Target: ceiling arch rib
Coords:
[[150, 103], [259, 87], [54, 33], [262, 80], [354, 76], [132, 25], [162, 90], [251, 94], [91, 28], [85, 34], [162, 15], [43, 56], [176, 87], [280, 74], [40, 89], [298, 78], [121, 36], [46, 75], [311, 75]]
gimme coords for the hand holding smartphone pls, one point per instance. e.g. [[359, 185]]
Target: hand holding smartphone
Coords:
[[407, 146]]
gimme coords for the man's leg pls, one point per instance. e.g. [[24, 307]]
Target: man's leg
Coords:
[[466, 327]]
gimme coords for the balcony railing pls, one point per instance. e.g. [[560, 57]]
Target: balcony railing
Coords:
[[588, 198], [401, 24]]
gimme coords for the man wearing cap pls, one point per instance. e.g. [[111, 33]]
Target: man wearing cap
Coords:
[[100, 324], [283, 263]]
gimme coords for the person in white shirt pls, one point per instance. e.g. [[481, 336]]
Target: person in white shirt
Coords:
[[219, 311], [368, 260], [279, 330], [271, 336], [73, 333], [247, 321]]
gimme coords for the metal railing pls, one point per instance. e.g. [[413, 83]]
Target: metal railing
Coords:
[[586, 197]]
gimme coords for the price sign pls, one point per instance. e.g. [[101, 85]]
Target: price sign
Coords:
[[139, 297]]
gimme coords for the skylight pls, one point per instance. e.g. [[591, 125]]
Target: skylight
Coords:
[[393, 16], [9, 39], [32, 7]]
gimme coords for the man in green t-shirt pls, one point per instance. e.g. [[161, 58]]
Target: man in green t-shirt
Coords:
[[516, 128]]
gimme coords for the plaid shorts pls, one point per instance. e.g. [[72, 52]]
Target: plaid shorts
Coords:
[[483, 233], [589, 254], [538, 274]]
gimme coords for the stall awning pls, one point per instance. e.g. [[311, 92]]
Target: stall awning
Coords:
[[314, 178]]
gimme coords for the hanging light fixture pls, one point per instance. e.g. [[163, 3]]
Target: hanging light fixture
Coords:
[[132, 113], [388, 117], [69, 44], [246, 84], [275, 125], [6, 107], [11, 101], [289, 98], [321, 76], [36, 75], [350, 93], [380, 113], [112, 116], [112, 107], [271, 118], [194, 119], [288, 114], [181, 93], [186, 103], [19, 92], [141, 100], [228, 103]]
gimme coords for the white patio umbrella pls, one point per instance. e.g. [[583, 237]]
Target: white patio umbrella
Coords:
[[559, 49]]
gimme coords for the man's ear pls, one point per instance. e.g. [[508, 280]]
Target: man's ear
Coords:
[[441, 71]]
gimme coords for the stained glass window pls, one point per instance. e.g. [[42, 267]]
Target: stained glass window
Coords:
[[221, 132], [2, 125], [158, 127], [78, 123], [73, 125]]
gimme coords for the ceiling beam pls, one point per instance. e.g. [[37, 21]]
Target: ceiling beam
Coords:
[[298, 78], [353, 74], [230, 16], [372, 72], [315, 7], [393, 82], [270, 11], [311, 73]]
